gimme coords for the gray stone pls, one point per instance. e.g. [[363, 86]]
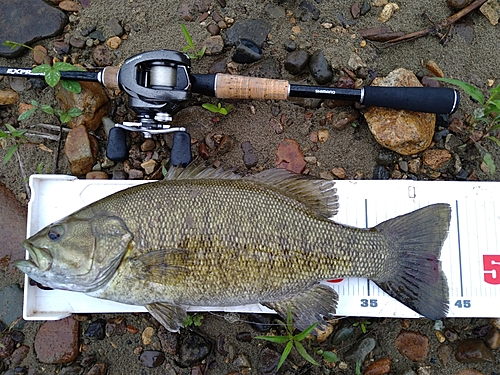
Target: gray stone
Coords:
[[28, 21], [319, 68], [115, 27], [255, 30], [275, 11], [296, 61], [11, 307], [360, 350]]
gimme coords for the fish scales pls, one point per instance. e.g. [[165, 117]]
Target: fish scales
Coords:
[[205, 237]]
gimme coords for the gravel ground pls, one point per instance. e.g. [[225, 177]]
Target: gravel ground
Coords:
[[156, 25]]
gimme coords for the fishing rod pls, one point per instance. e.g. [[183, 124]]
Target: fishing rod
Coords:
[[158, 82]]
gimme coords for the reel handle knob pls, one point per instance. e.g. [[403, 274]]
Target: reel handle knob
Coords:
[[180, 155], [117, 149]]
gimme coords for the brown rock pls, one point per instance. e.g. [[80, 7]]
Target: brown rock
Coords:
[[191, 9], [413, 345], [149, 166], [40, 54], [7, 346], [8, 97], [148, 145], [102, 56], [114, 42], [458, 4], [341, 119], [379, 367], [57, 341], [214, 45], [472, 351], [467, 371], [492, 338], [339, 172], [19, 355], [435, 159], [92, 100], [444, 353], [81, 150], [96, 175], [69, 6], [97, 369], [434, 68], [289, 156], [135, 174], [404, 132]]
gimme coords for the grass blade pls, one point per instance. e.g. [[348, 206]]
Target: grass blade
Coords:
[[302, 351], [9, 153], [286, 352]]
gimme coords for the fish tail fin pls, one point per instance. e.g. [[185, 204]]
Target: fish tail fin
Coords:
[[412, 274]]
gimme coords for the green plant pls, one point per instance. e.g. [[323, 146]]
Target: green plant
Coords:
[[362, 325], [218, 108], [194, 319], [327, 355], [291, 340], [358, 368], [52, 74], [487, 116], [190, 46], [64, 117], [14, 135]]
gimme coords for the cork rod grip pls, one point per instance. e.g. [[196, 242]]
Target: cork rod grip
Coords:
[[110, 77], [237, 87]]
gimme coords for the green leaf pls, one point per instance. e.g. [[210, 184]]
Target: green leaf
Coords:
[[64, 117], [470, 90], [75, 112], [494, 139], [488, 160], [223, 111], [202, 52], [3, 134], [72, 86], [47, 109], [26, 114], [301, 336], [276, 339], [358, 368], [187, 36], [44, 68], [34, 103], [9, 153], [210, 107], [329, 356], [52, 77], [284, 355], [302, 351], [15, 132]]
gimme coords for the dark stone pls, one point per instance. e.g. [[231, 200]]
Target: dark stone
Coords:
[[250, 157], [71, 370], [7, 345], [244, 336], [462, 175], [87, 31], [269, 360], [169, 341], [96, 329], [102, 56], [260, 322], [381, 173], [193, 349], [218, 66], [27, 21], [255, 30], [213, 29], [386, 158], [296, 61], [473, 351], [309, 11], [365, 8], [319, 68], [17, 336], [190, 10], [115, 27], [290, 45], [76, 42], [97, 34], [152, 358], [11, 307], [360, 350], [61, 48], [342, 334], [247, 52], [116, 326]]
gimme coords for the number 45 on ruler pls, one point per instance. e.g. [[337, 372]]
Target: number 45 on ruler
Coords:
[[491, 266]]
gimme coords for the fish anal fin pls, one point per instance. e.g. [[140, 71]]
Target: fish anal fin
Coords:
[[170, 316], [161, 266], [318, 195], [308, 307]]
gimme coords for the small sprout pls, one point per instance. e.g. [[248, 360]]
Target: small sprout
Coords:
[[218, 108], [194, 319], [362, 325], [14, 135], [358, 368], [190, 46]]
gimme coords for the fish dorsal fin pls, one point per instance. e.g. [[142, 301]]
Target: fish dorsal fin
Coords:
[[317, 194], [200, 172]]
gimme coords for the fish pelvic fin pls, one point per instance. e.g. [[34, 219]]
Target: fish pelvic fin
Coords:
[[412, 274], [309, 307], [172, 317]]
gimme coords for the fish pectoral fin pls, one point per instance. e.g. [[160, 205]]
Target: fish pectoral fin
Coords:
[[308, 307], [172, 317], [161, 266]]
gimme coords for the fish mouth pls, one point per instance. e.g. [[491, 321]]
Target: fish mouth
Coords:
[[40, 258]]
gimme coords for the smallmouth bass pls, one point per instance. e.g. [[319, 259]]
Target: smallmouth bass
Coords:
[[208, 237]]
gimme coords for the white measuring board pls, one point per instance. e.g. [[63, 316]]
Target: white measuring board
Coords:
[[470, 257]]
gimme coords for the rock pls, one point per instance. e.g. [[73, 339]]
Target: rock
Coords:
[[467, 371], [289, 156], [491, 10], [8, 97], [114, 42], [242, 361], [247, 51], [458, 4], [255, 30], [259, 322], [356, 10], [213, 29], [193, 349], [149, 166], [269, 360], [191, 9], [250, 158], [338, 172], [40, 54], [116, 326], [7, 345], [81, 150], [96, 175], [92, 100], [102, 56], [360, 350], [12, 232], [319, 68], [69, 6], [152, 358], [25, 24], [96, 329], [435, 159], [404, 132], [169, 340], [355, 62], [434, 68], [296, 61], [148, 145], [97, 369], [275, 11], [77, 42], [412, 345], [387, 12], [244, 336], [379, 367], [492, 338], [473, 350], [213, 45], [444, 352], [381, 173], [147, 334], [340, 120], [323, 135], [309, 11], [114, 25], [57, 341], [18, 356]]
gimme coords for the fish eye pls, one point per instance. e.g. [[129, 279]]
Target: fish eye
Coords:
[[55, 232]]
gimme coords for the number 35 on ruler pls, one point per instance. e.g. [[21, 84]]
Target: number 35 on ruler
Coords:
[[491, 266]]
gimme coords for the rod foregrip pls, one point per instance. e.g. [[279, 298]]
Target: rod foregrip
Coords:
[[420, 99], [237, 87], [109, 77]]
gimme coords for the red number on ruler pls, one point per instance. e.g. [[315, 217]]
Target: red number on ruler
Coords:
[[491, 266]]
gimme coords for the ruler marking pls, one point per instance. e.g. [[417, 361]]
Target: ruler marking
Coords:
[[459, 251], [366, 226]]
